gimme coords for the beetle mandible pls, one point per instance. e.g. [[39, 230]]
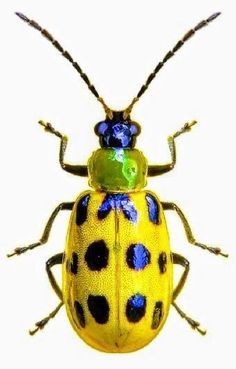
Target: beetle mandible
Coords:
[[117, 264]]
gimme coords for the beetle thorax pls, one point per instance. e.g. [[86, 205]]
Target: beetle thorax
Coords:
[[117, 166]]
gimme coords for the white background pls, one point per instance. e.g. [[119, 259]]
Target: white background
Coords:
[[117, 43]]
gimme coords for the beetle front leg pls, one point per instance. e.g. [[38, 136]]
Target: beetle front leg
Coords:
[[180, 260], [188, 231], [79, 170], [54, 260], [155, 170], [46, 232]]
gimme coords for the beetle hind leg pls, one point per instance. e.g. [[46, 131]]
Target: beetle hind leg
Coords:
[[180, 260], [54, 260], [193, 323], [41, 323]]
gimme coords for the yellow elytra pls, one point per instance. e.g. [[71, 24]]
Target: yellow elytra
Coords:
[[114, 277], [117, 264]]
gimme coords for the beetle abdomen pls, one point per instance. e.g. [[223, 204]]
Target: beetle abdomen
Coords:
[[117, 274]]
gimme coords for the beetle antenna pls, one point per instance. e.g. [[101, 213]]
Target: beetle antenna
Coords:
[[169, 55], [66, 55]]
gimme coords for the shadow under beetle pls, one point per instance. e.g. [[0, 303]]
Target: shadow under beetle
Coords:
[[117, 264]]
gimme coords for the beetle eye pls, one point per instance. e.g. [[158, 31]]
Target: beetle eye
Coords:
[[100, 128], [135, 129]]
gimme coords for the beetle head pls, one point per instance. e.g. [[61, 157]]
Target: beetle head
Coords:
[[117, 131]]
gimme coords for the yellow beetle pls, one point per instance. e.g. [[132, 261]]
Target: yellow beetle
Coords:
[[117, 264]]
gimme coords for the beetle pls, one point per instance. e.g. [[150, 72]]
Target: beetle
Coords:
[[117, 265]]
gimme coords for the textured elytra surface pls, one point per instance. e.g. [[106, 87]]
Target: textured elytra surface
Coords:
[[120, 292]]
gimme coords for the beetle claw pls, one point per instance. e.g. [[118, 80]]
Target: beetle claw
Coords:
[[39, 325], [49, 128], [33, 331], [213, 250], [17, 251], [186, 128], [21, 250], [202, 331]]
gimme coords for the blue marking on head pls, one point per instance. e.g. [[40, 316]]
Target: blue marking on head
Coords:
[[153, 208], [117, 132]]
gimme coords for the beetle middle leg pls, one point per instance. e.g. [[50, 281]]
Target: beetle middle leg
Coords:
[[188, 231], [46, 232], [180, 260], [54, 260]]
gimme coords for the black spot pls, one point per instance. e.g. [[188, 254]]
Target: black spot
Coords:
[[99, 308], [79, 313], [96, 255], [137, 256], [162, 260], [63, 257], [82, 209], [157, 314], [153, 208], [67, 261], [74, 263], [136, 308]]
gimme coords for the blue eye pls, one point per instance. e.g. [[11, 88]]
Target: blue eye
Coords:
[[100, 128]]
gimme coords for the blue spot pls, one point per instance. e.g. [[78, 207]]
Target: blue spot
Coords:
[[153, 208], [136, 308], [82, 209], [137, 256], [120, 202]]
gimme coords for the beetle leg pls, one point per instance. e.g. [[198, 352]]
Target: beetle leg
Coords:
[[41, 324], [79, 170], [193, 323], [46, 232], [180, 260], [54, 260], [155, 170], [188, 231]]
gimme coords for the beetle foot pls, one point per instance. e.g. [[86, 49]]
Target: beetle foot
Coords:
[[21, 250], [186, 128], [41, 324], [38, 326], [195, 325], [213, 250], [49, 128]]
